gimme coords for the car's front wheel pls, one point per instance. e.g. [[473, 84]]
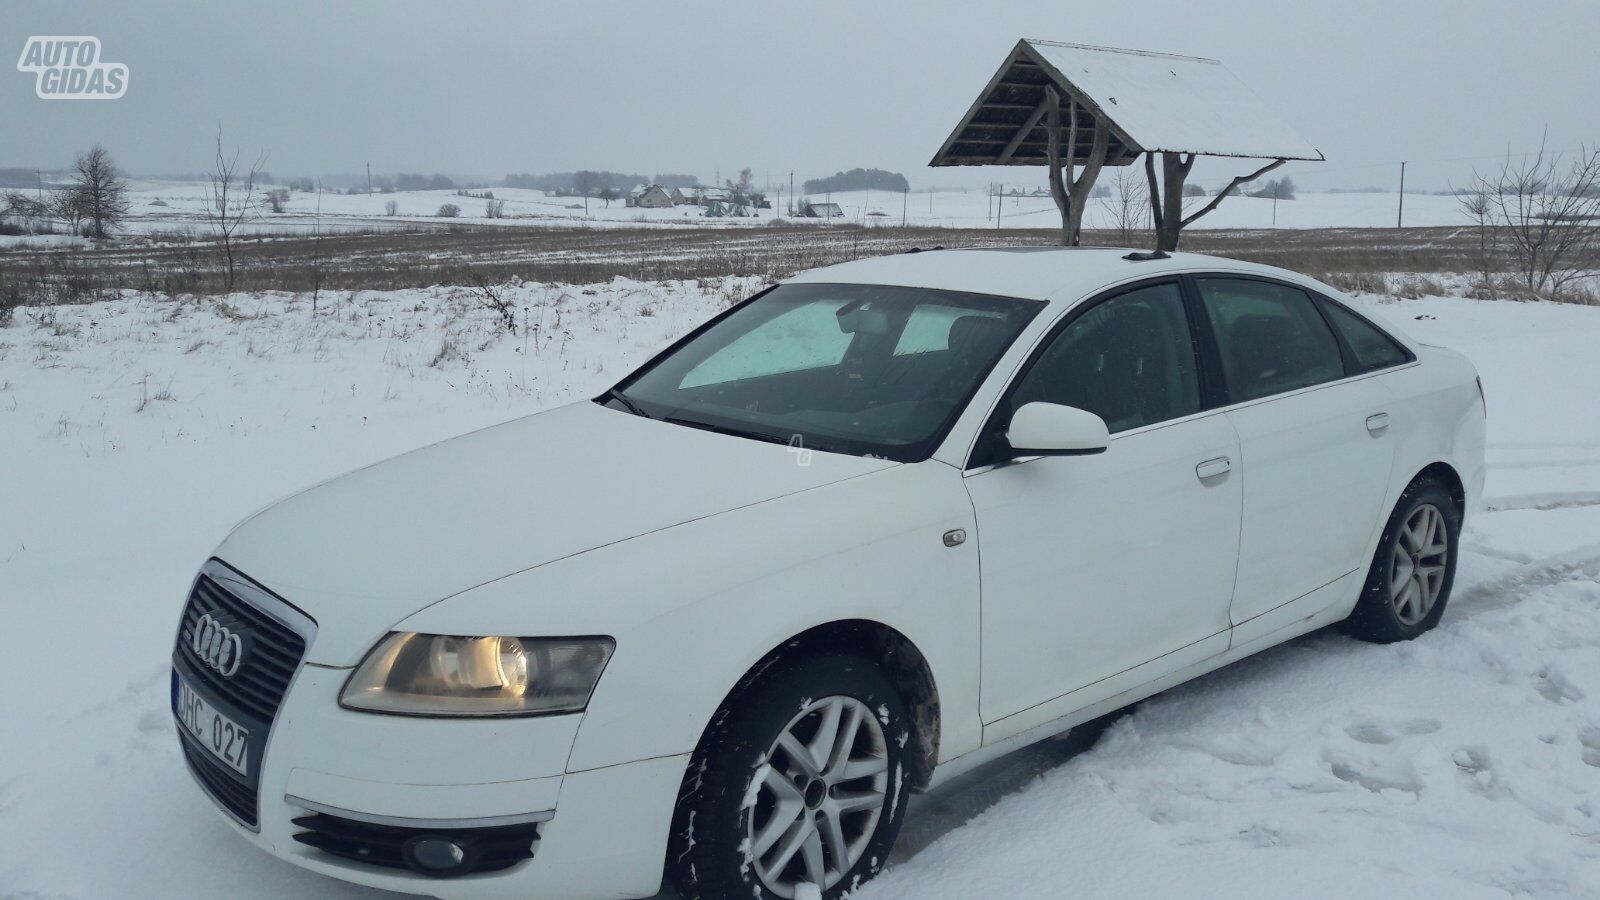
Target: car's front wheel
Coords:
[[799, 781]]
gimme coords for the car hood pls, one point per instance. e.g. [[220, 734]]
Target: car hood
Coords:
[[367, 549]]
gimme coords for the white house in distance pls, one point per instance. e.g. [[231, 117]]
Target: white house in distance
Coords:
[[649, 196], [705, 196]]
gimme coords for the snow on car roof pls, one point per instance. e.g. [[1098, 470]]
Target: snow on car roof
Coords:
[[1032, 273]]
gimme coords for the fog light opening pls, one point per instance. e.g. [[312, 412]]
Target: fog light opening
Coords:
[[433, 854]]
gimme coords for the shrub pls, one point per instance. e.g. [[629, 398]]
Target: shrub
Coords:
[[449, 211]]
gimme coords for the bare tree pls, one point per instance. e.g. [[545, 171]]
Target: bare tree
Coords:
[[1126, 206], [102, 195], [29, 210], [609, 194], [1548, 212], [585, 181], [1071, 200], [494, 209], [392, 208], [1478, 203], [1166, 196], [743, 188], [67, 205], [277, 199], [231, 199], [448, 211]]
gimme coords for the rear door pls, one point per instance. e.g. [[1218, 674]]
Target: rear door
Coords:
[[1316, 454]]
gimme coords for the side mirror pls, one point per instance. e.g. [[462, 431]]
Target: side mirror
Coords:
[[1050, 429]]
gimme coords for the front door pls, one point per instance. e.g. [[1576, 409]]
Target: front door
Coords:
[[1092, 565]]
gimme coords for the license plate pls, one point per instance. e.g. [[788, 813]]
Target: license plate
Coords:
[[226, 739]]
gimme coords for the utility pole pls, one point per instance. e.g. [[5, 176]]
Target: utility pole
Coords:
[[1400, 217], [1000, 205], [369, 178], [39, 174], [791, 192], [905, 198]]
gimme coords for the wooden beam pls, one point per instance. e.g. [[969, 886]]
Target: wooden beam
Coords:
[[1027, 127]]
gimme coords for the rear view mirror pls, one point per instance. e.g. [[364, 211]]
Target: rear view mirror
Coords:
[[860, 318], [1050, 429]]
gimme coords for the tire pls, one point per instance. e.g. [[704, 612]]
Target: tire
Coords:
[[1409, 583], [725, 840]]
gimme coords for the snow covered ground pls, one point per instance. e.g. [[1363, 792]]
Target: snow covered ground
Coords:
[[133, 434], [182, 203]]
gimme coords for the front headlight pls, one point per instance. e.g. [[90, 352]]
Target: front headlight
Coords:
[[443, 675]]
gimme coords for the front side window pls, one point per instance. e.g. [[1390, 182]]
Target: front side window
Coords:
[[1373, 349], [1129, 360], [1270, 336], [861, 369]]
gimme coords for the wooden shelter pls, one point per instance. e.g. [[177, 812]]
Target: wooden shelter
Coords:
[[1054, 104]]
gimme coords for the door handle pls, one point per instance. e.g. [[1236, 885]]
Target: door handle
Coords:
[[1377, 422], [1211, 468]]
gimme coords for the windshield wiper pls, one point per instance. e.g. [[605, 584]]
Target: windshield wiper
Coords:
[[629, 405], [724, 429]]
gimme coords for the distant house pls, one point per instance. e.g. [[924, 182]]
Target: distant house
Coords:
[[708, 195], [680, 196], [821, 211], [649, 196]]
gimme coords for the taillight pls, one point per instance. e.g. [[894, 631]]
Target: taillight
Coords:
[[1481, 398]]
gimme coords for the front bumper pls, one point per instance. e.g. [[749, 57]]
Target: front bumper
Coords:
[[602, 832]]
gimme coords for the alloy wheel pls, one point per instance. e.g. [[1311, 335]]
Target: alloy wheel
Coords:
[[818, 796], [1417, 566]]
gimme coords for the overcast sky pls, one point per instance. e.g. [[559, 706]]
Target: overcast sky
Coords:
[[486, 88]]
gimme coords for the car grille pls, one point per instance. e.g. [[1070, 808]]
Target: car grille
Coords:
[[272, 652], [270, 660]]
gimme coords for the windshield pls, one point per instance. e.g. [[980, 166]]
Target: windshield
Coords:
[[847, 368]]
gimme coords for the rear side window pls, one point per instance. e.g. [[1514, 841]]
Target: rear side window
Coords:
[[1270, 336], [1373, 349]]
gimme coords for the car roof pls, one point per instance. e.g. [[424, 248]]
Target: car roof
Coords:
[[1062, 274]]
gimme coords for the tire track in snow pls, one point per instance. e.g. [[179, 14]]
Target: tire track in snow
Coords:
[[1544, 501], [1506, 589]]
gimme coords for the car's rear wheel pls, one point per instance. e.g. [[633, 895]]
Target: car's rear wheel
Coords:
[[1415, 565], [798, 782]]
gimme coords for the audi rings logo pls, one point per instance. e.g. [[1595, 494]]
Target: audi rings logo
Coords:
[[217, 645]]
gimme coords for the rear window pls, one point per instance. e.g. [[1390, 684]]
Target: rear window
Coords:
[[1270, 336], [1373, 349]]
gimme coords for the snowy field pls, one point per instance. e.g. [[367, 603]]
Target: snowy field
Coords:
[[176, 207], [136, 432]]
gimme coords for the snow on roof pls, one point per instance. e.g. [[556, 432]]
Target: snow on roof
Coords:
[[1151, 102], [1179, 103]]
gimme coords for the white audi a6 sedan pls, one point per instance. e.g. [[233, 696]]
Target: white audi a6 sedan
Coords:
[[872, 527]]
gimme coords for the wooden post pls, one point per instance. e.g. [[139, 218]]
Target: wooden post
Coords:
[[1166, 198], [1400, 216], [1058, 188], [1074, 199]]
